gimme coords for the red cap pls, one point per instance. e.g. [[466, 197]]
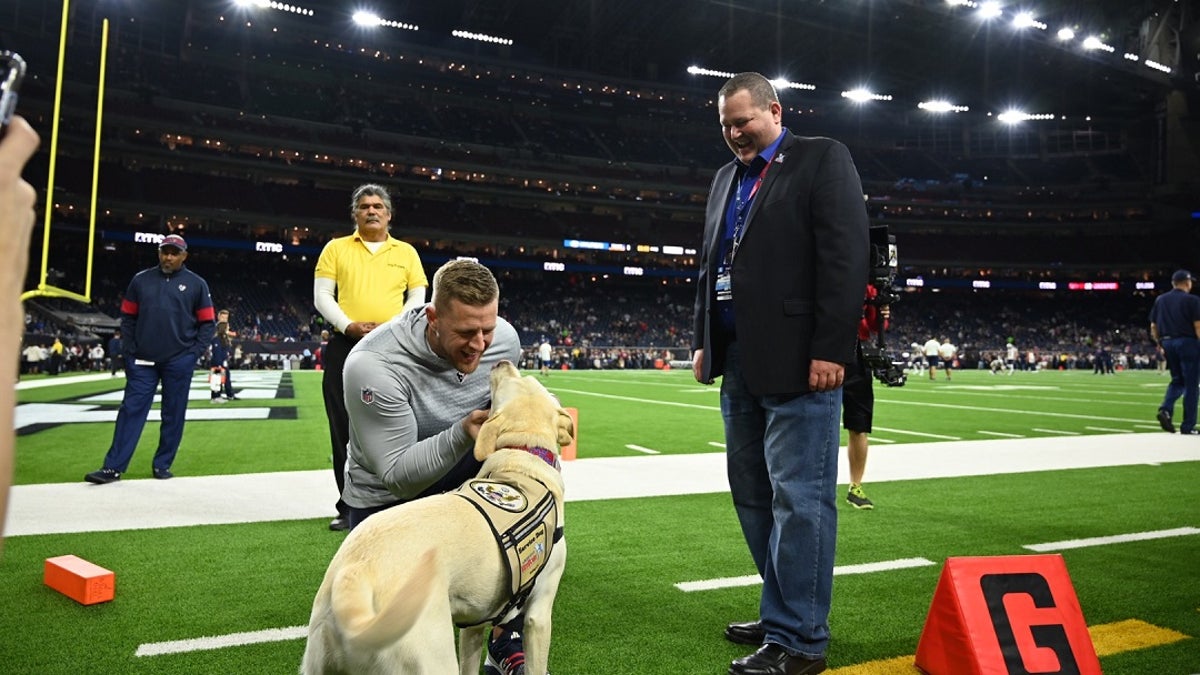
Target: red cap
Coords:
[[173, 240]]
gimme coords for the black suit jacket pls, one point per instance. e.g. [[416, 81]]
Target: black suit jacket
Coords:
[[799, 272]]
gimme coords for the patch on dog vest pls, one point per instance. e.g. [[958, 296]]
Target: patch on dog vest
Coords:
[[523, 519], [501, 495]]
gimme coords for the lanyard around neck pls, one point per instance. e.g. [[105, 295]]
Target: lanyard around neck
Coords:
[[740, 206]]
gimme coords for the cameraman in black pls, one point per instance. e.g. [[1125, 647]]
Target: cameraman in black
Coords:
[[858, 399]]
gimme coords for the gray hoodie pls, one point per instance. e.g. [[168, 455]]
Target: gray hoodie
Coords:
[[405, 404]]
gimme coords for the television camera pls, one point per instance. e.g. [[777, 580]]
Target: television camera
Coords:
[[884, 265]]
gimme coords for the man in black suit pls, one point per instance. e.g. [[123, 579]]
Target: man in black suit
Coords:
[[778, 301]]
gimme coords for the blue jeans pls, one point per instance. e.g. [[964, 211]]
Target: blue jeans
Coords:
[[140, 385], [782, 461], [1183, 359]]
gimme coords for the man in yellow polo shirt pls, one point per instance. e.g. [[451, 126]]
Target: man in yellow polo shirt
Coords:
[[362, 280]]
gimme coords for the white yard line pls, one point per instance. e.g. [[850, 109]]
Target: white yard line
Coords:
[[1115, 539], [1058, 432], [919, 433], [222, 641], [714, 408], [754, 579], [1111, 431], [639, 448], [1010, 412], [1001, 434]]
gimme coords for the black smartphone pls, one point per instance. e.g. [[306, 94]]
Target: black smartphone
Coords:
[[14, 73]]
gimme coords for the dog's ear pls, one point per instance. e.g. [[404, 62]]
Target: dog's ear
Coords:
[[566, 428], [489, 435]]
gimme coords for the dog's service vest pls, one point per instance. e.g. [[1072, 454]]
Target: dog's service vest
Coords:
[[524, 519]]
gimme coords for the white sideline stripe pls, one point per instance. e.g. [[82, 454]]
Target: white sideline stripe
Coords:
[[1057, 431], [140, 504], [752, 579], [919, 433], [1115, 539], [1000, 434], [715, 444], [1114, 431], [639, 448], [1148, 426], [876, 439], [221, 641]]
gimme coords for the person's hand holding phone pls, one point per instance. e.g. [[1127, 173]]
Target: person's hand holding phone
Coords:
[[18, 142]]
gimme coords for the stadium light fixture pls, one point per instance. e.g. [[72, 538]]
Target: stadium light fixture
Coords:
[[1093, 42], [962, 3], [1026, 20], [697, 70], [861, 95], [368, 19], [1066, 34], [990, 10], [1014, 116], [1011, 117], [481, 37], [1157, 66], [271, 4], [940, 106], [783, 83]]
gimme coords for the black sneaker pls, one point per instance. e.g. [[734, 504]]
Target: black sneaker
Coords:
[[858, 499], [1164, 421], [163, 474], [103, 476], [505, 655]]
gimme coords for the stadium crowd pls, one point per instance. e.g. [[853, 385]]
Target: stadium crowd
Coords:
[[600, 321]]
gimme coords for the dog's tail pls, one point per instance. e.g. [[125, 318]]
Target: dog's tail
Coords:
[[354, 604]]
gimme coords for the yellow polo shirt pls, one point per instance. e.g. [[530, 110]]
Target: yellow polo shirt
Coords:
[[371, 286]]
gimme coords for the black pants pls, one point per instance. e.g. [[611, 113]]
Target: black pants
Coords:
[[334, 361]]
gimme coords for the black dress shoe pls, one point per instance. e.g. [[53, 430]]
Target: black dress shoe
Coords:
[[749, 633], [771, 659], [340, 523], [1164, 421]]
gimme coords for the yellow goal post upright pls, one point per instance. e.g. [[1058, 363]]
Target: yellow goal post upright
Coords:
[[44, 289]]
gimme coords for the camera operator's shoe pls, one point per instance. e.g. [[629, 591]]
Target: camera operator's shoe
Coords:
[[858, 499], [505, 655]]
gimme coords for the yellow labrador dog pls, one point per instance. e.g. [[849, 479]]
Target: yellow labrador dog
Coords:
[[406, 576]]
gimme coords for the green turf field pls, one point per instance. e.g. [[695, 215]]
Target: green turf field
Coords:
[[619, 610]]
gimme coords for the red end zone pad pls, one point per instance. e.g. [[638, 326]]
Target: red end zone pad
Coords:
[[1006, 615]]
